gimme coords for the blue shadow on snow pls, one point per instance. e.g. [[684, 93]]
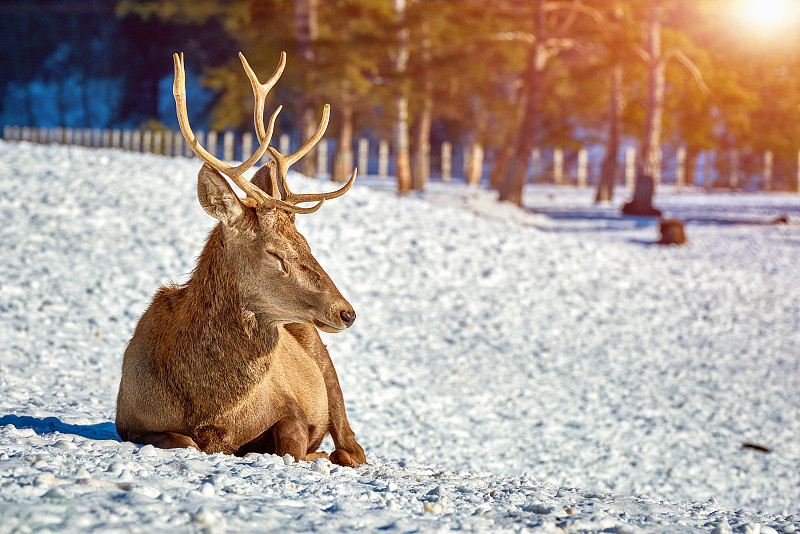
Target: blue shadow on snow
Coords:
[[50, 425]]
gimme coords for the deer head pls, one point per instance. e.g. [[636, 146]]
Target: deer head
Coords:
[[260, 253]]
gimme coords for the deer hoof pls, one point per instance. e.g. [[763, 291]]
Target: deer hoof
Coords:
[[339, 457], [342, 457]]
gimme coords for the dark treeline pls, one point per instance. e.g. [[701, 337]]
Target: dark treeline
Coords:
[[501, 77]]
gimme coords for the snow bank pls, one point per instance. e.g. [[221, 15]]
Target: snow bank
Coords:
[[501, 358]]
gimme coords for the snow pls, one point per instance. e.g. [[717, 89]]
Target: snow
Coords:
[[545, 370]]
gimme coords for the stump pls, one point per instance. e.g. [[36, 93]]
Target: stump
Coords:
[[642, 202], [672, 232]]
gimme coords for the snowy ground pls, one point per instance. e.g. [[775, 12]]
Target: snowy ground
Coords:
[[548, 370]]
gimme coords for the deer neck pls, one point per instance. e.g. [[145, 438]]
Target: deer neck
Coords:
[[218, 306]]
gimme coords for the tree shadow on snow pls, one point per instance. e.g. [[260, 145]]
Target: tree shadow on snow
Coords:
[[619, 221], [606, 220], [50, 425]]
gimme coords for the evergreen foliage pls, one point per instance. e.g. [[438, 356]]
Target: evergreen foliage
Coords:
[[468, 73]]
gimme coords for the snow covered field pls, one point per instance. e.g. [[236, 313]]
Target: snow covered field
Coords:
[[546, 370]]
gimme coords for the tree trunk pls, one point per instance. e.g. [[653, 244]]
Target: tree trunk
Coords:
[[305, 19], [649, 162], [500, 168], [608, 172], [651, 139], [402, 152], [422, 149], [517, 171], [343, 165]]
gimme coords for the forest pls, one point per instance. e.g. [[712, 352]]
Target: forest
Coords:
[[715, 78]]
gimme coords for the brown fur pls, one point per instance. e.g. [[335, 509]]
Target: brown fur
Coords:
[[231, 361]]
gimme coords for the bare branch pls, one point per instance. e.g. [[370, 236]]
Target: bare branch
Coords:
[[690, 66]]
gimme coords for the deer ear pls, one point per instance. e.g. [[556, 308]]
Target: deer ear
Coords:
[[217, 197], [264, 179]]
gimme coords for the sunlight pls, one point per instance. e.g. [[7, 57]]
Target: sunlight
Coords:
[[767, 15]]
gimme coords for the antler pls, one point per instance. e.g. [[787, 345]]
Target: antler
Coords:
[[283, 162], [234, 173], [260, 92], [257, 198]]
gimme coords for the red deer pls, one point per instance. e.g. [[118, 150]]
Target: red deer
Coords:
[[231, 361]]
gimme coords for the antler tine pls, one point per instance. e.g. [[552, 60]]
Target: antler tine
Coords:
[[260, 92], [283, 162], [323, 125], [321, 197], [234, 173]]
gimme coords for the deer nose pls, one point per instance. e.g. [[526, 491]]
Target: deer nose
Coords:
[[348, 318]]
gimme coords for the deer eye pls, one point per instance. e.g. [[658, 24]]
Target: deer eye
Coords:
[[280, 260]]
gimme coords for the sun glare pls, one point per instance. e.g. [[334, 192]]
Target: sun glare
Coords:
[[767, 15]]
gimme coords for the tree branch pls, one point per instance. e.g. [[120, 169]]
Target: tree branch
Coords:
[[690, 66], [575, 7]]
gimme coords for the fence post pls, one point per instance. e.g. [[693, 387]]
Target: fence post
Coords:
[[447, 161], [115, 138], [284, 143], [630, 167], [212, 143], [227, 146], [680, 169], [157, 142], [473, 166], [178, 143], [363, 156], [425, 163], [383, 159], [147, 142], [168, 148], [467, 161], [126, 140], [583, 167], [247, 145], [136, 140], [558, 165], [322, 157], [734, 179], [768, 170]]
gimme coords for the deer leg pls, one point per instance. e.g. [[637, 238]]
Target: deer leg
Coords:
[[263, 444], [292, 437], [348, 452], [164, 440]]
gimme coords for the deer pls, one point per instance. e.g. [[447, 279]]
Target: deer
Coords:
[[231, 361]]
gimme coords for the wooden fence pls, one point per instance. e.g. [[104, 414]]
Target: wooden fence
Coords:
[[557, 168]]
